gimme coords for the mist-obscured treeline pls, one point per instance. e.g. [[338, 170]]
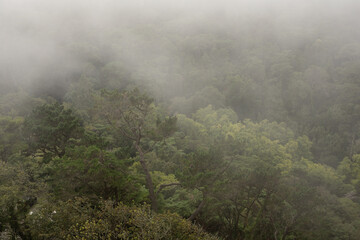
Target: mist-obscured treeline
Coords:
[[121, 120]]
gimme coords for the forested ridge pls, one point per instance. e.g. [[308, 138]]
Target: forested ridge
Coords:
[[180, 122]]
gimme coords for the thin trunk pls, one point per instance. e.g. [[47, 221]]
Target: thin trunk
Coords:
[[198, 209], [352, 147], [148, 179], [15, 227], [202, 204], [275, 235], [285, 233]]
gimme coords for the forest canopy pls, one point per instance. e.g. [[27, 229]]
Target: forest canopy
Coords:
[[180, 119]]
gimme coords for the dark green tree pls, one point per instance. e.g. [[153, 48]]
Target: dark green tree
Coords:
[[50, 128]]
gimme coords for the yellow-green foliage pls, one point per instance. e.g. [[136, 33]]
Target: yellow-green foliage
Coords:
[[78, 219]]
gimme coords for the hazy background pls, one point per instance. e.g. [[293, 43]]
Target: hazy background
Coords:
[[40, 39]]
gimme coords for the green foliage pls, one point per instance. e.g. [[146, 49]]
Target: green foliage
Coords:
[[50, 129], [95, 173], [263, 141], [9, 137], [78, 219], [18, 193]]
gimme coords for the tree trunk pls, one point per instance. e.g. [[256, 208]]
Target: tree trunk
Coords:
[[198, 209], [148, 179]]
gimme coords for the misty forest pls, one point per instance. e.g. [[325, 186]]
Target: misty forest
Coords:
[[180, 119]]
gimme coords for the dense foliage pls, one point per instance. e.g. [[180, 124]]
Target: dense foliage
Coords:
[[244, 134]]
